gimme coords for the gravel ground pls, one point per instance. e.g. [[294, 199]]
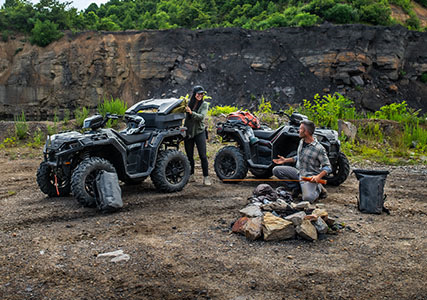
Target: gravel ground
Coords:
[[181, 247]]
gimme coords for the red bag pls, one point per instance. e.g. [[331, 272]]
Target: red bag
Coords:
[[245, 117]]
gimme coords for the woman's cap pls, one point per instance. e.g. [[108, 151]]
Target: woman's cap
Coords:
[[198, 89]]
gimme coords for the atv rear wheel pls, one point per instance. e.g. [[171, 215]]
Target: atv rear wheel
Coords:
[[84, 176], [171, 172], [230, 163], [46, 182], [262, 173], [341, 171]]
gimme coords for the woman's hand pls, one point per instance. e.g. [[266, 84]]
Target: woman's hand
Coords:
[[188, 109]]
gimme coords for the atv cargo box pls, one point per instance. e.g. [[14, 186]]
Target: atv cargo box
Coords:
[[157, 113]]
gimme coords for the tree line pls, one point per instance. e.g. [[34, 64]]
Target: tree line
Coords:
[[46, 20]]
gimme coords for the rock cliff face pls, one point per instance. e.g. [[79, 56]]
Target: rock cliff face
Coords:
[[372, 65]]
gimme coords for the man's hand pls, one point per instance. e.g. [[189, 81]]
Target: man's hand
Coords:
[[318, 177], [188, 109], [281, 160]]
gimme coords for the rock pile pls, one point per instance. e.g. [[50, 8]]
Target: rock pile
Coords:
[[273, 215]]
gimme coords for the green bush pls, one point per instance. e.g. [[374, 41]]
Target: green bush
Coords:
[[342, 14], [305, 19], [376, 13], [218, 110], [413, 22], [327, 110], [21, 126], [112, 106], [45, 33], [398, 112], [423, 77]]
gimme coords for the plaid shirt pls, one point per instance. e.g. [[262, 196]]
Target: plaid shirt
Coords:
[[312, 159]]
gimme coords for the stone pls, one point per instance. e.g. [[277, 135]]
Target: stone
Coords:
[[320, 213], [311, 217], [253, 228], [296, 218], [330, 221], [275, 228], [238, 226], [392, 88], [251, 211], [347, 129], [302, 205], [278, 206], [342, 78], [320, 226], [357, 81], [307, 231]]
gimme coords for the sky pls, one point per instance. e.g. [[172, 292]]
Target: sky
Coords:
[[79, 4]]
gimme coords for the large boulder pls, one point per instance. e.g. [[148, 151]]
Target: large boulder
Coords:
[[307, 231], [275, 228]]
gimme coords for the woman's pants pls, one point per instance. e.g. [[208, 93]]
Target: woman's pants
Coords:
[[200, 141]]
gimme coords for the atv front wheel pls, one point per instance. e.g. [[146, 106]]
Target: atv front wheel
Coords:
[[262, 173], [171, 172], [46, 182], [340, 173], [230, 163], [84, 176]]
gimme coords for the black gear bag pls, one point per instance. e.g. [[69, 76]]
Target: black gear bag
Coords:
[[109, 194], [371, 190]]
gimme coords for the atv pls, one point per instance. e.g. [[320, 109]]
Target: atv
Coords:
[[255, 149], [149, 146]]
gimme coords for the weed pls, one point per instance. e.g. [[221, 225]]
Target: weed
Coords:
[[38, 139], [66, 117], [21, 126], [81, 115], [112, 106], [8, 142]]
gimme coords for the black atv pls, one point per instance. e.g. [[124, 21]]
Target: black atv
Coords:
[[148, 146], [256, 148]]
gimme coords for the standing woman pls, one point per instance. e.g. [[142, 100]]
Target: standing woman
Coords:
[[196, 112]]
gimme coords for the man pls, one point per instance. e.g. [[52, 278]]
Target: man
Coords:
[[311, 161]]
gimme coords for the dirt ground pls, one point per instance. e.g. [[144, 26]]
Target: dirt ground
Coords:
[[181, 247]]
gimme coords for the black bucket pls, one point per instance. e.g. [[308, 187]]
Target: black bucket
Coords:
[[371, 190]]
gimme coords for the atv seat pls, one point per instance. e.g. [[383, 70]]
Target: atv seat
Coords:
[[266, 134], [133, 138]]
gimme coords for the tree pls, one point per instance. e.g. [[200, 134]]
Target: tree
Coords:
[[45, 32]]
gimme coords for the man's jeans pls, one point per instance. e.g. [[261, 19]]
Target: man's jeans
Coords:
[[310, 191]]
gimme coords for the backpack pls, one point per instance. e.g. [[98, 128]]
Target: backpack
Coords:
[[108, 192], [245, 117]]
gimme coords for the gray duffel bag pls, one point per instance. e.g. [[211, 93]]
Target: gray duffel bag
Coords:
[[109, 194]]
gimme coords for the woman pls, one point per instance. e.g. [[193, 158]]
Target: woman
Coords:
[[196, 111]]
